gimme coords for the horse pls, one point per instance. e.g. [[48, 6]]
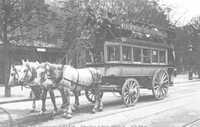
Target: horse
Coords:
[[26, 76], [20, 75], [72, 80], [55, 73]]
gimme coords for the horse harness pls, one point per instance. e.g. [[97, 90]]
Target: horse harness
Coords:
[[33, 73], [77, 82], [37, 91], [16, 73]]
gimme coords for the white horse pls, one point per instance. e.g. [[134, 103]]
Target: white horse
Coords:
[[24, 75], [72, 80]]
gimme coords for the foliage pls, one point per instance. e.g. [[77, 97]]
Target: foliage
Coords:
[[76, 23]]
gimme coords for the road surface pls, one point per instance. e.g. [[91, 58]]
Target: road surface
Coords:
[[180, 108]]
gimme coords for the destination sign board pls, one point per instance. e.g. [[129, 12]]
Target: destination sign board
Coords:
[[152, 31]]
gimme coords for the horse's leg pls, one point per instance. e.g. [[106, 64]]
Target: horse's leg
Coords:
[[76, 95], [32, 96], [100, 101], [98, 106], [67, 110], [52, 96], [77, 98], [44, 96], [198, 74], [62, 92]]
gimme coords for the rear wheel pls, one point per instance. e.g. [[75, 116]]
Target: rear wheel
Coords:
[[130, 92], [160, 84]]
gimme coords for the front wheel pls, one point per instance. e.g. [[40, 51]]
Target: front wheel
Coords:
[[160, 84], [130, 92]]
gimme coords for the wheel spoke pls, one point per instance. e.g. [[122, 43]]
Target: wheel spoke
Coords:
[[165, 81], [160, 84], [159, 93], [156, 92], [156, 82], [130, 92], [134, 85], [127, 100], [166, 90], [156, 86], [162, 92], [164, 76]]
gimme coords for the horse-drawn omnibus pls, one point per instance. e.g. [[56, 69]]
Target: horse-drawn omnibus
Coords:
[[129, 64]]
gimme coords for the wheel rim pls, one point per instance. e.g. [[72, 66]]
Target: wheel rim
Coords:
[[130, 92], [160, 84]]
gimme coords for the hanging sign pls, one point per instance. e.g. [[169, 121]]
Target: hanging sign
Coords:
[[135, 28], [41, 49]]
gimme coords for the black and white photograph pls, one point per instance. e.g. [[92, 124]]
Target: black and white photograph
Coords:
[[99, 63]]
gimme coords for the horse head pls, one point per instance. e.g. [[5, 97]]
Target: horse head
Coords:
[[27, 72], [14, 76]]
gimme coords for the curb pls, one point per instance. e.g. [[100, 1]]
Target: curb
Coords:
[[28, 99]]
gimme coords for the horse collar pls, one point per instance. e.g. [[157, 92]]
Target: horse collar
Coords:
[[32, 71]]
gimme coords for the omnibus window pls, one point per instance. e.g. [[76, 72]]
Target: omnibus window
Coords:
[[146, 55], [162, 57], [113, 53], [126, 53], [154, 56], [137, 54]]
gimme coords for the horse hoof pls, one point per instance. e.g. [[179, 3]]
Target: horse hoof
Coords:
[[100, 109], [54, 112], [68, 116], [75, 108], [51, 117], [94, 110], [62, 107], [42, 112], [32, 111]]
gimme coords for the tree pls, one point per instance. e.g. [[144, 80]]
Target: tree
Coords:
[[17, 19], [90, 22]]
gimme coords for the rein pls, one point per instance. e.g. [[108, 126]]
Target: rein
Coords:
[[77, 82]]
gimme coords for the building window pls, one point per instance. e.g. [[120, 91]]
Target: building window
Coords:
[[154, 56], [126, 53], [113, 53], [162, 55], [137, 54], [147, 55]]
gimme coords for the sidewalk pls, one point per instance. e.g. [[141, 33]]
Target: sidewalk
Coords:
[[184, 78], [19, 111], [18, 93]]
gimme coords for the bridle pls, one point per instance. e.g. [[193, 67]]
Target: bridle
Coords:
[[15, 74], [27, 79]]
